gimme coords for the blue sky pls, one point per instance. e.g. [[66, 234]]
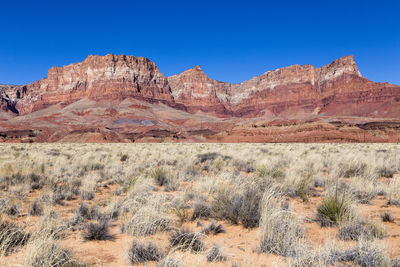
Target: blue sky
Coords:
[[231, 40]]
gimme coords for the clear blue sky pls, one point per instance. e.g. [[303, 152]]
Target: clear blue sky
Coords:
[[231, 40]]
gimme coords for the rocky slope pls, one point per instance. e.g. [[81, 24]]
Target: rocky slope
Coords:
[[289, 91], [97, 77], [127, 98]]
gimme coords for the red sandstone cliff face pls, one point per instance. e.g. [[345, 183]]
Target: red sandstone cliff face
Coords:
[[289, 91], [97, 77], [337, 88], [197, 91], [116, 98]]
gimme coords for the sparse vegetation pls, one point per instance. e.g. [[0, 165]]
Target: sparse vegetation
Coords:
[[183, 239], [213, 228], [36, 209], [282, 234], [160, 176], [11, 237], [215, 254], [239, 206], [362, 230], [47, 252], [387, 217], [97, 231], [201, 210], [140, 252], [176, 203], [333, 209]]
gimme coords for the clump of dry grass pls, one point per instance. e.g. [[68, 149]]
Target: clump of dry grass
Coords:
[[216, 254], [170, 262], [201, 210], [183, 239], [366, 253], [394, 190], [47, 252], [36, 208], [9, 206], [387, 217], [160, 176], [362, 230], [97, 231], [282, 234], [147, 219], [213, 228], [140, 252], [239, 205], [11, 237]]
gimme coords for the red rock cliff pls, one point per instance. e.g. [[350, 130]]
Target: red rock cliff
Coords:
[[337, 88], [97, 77], [295, 91]]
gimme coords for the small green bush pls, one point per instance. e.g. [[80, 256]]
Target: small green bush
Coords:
[[333, 210], [160, 176]]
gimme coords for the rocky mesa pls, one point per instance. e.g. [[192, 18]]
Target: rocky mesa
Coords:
[[127, 98]]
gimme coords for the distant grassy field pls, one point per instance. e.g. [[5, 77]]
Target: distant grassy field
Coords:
[[199, 204]]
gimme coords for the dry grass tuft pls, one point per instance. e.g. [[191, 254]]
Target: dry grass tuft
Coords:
[[140, 252]]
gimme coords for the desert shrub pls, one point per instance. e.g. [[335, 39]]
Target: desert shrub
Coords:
[[386, 171], [87, 194], [395, 262], [181, 212], [97, 231], [352, 231], [201, 210], [244, 166], [113, 210], [170, 262], [49, 225], [366, 254], [213, 228], [239, 206], [12, 209], [215, 254], [147, 220], [393, 202], [36, 208], [124, 157], [96, 166], [160, 176], [302, 187], [140, 252], [394, 191], [356, 231], [34, 180], [352, 169], [84, 212], [207, 157], [172, 184], [333, 210], [323, 256], [282, 234], [11, 237], [365, 189], [9, 207], [183, 239], [387, 217], [47, 252], [276, 171]]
